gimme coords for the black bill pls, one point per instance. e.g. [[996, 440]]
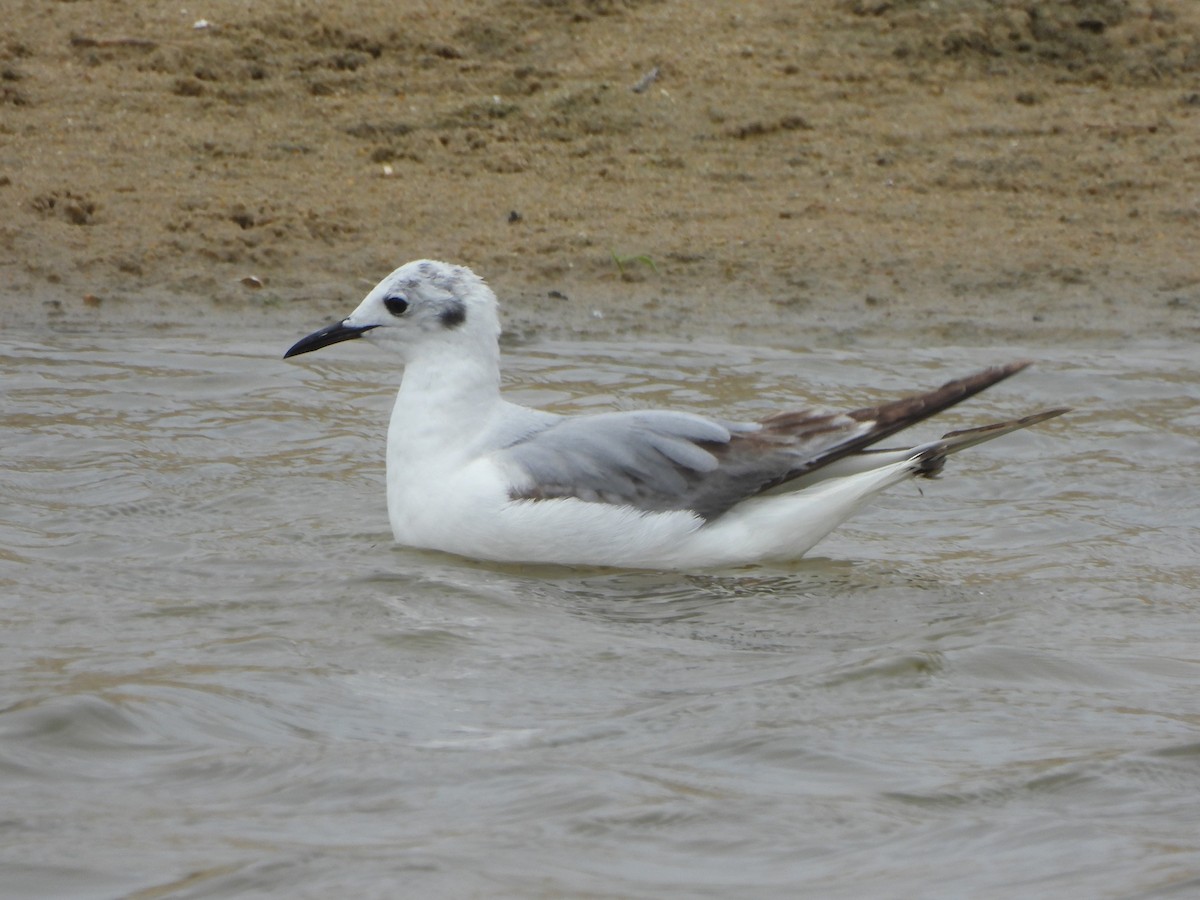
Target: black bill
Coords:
[[331, 334]]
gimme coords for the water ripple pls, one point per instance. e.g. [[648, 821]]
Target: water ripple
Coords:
[[984, 687]]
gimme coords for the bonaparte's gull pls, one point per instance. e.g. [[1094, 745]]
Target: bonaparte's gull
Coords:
[[470, 473]]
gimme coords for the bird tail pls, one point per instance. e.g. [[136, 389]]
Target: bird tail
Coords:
[[930, 458]]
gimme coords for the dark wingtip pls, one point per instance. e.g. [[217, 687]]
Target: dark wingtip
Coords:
[[889, 418], [899, 414]]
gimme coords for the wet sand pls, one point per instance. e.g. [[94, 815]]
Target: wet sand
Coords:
[[817, 172]]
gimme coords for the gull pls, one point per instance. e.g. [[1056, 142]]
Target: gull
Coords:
[[472, 474]]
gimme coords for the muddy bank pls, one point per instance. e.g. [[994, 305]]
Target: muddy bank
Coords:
[[861, 170]]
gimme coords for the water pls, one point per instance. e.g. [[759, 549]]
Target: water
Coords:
[[221, 678]]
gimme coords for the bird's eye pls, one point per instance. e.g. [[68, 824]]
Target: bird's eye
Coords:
[[397, 306]]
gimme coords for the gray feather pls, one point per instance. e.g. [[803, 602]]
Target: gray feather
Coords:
[[658, 461]]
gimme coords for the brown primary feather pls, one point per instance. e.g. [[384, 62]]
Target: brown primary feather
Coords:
[[803, 426]]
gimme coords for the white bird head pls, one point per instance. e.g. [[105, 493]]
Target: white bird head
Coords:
[[422, 304]]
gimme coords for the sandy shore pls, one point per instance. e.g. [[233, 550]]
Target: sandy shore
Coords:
[[835, 171]]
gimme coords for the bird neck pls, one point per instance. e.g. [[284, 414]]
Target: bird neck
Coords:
[[451, 383]]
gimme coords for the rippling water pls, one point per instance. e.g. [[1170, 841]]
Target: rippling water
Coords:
[[221, 678]]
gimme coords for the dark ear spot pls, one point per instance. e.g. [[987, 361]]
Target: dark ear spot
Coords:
[[454, 316]]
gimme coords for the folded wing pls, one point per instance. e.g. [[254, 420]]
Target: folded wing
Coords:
[[659, 461]]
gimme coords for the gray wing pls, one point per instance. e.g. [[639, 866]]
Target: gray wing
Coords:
[[658, 461]]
